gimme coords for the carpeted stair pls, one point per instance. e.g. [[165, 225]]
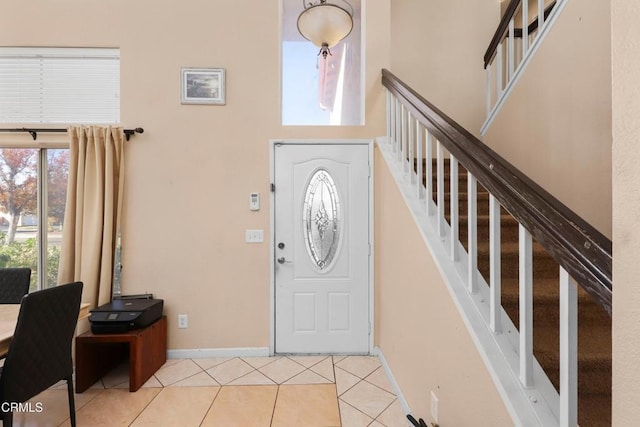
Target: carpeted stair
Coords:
[[594, 324]]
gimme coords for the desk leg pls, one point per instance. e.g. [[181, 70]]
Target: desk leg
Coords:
[[136, 357], [147, 354], [95, 360]]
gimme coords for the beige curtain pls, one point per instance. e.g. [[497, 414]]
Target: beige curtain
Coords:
[[92, 215]]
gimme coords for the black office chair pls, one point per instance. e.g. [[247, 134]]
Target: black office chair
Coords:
[[14, 284], [40, 352]]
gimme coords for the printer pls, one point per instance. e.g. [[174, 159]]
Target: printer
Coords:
[[125, 313]]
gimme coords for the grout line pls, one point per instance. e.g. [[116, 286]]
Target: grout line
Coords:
[[211, 376], [383, 411], [145, 406], [348, 404], [358, 382], [275, 402], [273, 360], [187, 377], [377, 386], [202, 367], [322, 376], [251, 385], [338, 401], [210, 405]]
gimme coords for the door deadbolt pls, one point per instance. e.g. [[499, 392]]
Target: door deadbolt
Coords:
[[281, 245]]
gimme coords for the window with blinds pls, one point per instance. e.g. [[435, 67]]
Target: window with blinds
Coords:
[[59, 85]]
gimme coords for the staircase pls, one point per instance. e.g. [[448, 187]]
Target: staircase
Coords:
[[594, 324], [554, 368]]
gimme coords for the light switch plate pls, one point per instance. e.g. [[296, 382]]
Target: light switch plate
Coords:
[[254, 236]]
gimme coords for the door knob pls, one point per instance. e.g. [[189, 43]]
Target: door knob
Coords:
[[282, 260]]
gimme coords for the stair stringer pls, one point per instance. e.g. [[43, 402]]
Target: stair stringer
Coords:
[[534, 406]]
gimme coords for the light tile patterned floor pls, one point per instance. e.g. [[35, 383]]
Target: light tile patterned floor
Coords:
[[293, 391]]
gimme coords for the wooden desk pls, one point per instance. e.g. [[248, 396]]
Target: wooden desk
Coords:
[[97, 354], [9, 318]]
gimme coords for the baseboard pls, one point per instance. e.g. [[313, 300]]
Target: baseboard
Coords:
[[205, 353], [377, 351]]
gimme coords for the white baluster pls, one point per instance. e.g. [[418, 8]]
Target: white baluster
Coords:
[[440, 188], [399, 132], [568, 350], [472, 232], [396, 124], [495, 279], [403, 137], [419, 160], [525, 27], [499, 71], [453, 206], [488, 89], [526, 307], [388, 115], [540, 15], [411, 142], [429, 173], [511, 58]]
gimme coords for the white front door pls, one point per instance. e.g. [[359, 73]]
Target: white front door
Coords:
[[322, 248]]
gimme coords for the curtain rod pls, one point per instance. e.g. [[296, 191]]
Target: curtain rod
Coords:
[[34, 131]]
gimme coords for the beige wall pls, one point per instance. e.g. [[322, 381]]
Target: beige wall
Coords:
[[625, 43], [418, 326], [438, 51], [191, 172], [556, 125]]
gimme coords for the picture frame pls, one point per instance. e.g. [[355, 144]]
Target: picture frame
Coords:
[[203, 86]]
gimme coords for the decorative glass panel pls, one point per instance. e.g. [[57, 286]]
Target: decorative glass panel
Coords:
[[321, 219]]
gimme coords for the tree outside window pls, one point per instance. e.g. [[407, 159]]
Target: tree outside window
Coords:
[[22, 242]]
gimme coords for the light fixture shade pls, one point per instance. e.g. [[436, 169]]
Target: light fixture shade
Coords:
[[325, 24]]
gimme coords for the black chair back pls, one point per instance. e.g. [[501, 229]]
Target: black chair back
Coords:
[[14, 284], [40, 352]]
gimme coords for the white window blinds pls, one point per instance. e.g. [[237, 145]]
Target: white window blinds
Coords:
[[59, 85]]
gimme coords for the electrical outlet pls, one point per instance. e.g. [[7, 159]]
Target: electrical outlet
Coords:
[[434, 407], [183, 321], [254, 236]]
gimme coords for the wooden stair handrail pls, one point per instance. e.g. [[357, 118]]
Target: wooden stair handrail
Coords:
[[503, 28], [578, 247], [534, 24]]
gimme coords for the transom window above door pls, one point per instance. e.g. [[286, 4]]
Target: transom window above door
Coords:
[[319, 90]]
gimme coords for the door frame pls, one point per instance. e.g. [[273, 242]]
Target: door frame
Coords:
[[272, 212]]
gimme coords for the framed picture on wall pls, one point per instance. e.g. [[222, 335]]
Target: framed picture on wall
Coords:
[[203, 86]]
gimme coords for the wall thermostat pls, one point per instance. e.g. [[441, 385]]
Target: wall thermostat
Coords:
[[254, 201]]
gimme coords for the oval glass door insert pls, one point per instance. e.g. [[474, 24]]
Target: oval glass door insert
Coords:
[[321, 219]]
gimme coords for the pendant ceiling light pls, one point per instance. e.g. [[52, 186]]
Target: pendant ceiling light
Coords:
[[325, 24]]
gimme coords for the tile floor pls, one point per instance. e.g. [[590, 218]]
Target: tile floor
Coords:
[[293, 391]]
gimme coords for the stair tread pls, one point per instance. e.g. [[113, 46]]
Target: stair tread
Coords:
[[594, 410], [597, 359], [549, 286], [504, 218], [510, 248]]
